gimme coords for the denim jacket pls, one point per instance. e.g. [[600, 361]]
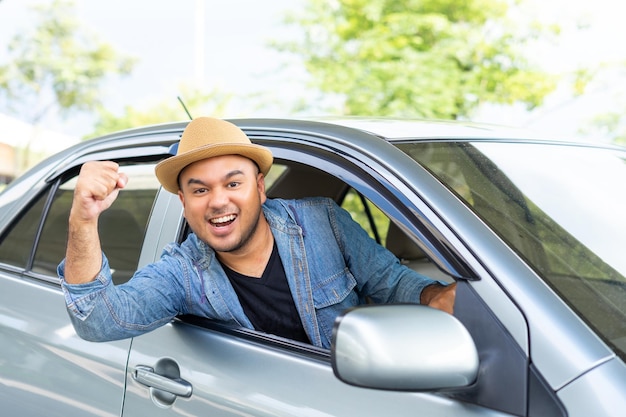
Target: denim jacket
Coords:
[[330, 262]]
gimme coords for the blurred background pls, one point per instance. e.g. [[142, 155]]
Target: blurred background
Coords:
[[74, 69]]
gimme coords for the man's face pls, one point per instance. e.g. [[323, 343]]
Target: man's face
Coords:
[[222, 198]]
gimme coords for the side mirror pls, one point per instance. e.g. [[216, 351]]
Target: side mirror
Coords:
[[403, 347]]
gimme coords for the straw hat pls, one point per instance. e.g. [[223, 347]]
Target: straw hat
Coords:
[[206, 137]]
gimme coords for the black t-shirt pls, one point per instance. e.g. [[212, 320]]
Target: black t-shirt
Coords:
[[267, 301]]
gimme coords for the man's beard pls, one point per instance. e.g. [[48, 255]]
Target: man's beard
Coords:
[[245, 238]]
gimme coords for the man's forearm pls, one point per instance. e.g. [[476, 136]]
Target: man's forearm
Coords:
[[83, 258], [439, 296]]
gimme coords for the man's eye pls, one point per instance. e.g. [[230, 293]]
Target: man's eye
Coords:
[[233, 184], [199, 190]]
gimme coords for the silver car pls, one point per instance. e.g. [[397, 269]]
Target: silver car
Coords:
[[533, 232]]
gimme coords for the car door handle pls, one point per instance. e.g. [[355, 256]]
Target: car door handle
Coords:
[[147, 376]]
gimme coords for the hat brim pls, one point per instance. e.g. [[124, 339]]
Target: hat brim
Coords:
[[168, 170]]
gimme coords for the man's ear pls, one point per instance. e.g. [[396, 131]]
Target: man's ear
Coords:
[[181, 197], [260, 183]]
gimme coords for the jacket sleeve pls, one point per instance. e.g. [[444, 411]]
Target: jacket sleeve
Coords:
[[378, 272], [101, 311]]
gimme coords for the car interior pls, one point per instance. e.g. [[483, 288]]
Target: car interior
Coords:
[[294, 181], [290, 180]]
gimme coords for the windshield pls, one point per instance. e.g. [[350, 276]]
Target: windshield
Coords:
[[560, 207]]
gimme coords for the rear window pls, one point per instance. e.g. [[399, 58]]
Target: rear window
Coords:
[[39, 247]]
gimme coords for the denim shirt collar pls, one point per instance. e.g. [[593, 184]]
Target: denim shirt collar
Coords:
[[288, 236]]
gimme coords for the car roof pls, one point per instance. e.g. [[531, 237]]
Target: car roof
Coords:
[[387, 128], [400, 129], [391, 130]]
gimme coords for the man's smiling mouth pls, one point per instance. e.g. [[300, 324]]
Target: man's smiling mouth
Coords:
[[223, 221]]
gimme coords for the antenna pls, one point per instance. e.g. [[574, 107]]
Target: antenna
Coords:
[[184, 107]]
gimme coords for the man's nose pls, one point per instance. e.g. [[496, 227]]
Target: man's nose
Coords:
[[219, 197]]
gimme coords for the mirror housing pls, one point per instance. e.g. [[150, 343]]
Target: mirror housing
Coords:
[[406, 347]]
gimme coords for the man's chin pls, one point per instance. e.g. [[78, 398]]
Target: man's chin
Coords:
[[223, 246]]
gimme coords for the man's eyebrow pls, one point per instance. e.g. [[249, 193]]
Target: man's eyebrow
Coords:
[[226, 177], [194, 181], [233, 173]]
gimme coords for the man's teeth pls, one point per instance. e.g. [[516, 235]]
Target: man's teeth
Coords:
[[223, 219]]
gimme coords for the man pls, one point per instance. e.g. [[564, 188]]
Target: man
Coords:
[[286, 267]]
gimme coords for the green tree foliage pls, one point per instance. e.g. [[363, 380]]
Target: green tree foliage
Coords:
[[420, 58], [611, 82], [58, 65], [612, 125]]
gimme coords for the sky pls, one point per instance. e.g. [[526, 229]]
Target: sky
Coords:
[[234, 55], [162, 35]]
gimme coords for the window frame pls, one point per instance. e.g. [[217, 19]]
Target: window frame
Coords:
[[65, 172]]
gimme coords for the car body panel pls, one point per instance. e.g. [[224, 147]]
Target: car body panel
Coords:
[[45, 368], [217, 369], [525, 334], [600, 381]]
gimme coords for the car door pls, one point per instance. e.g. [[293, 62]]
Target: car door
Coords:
[[45, 368], [193, 366]]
